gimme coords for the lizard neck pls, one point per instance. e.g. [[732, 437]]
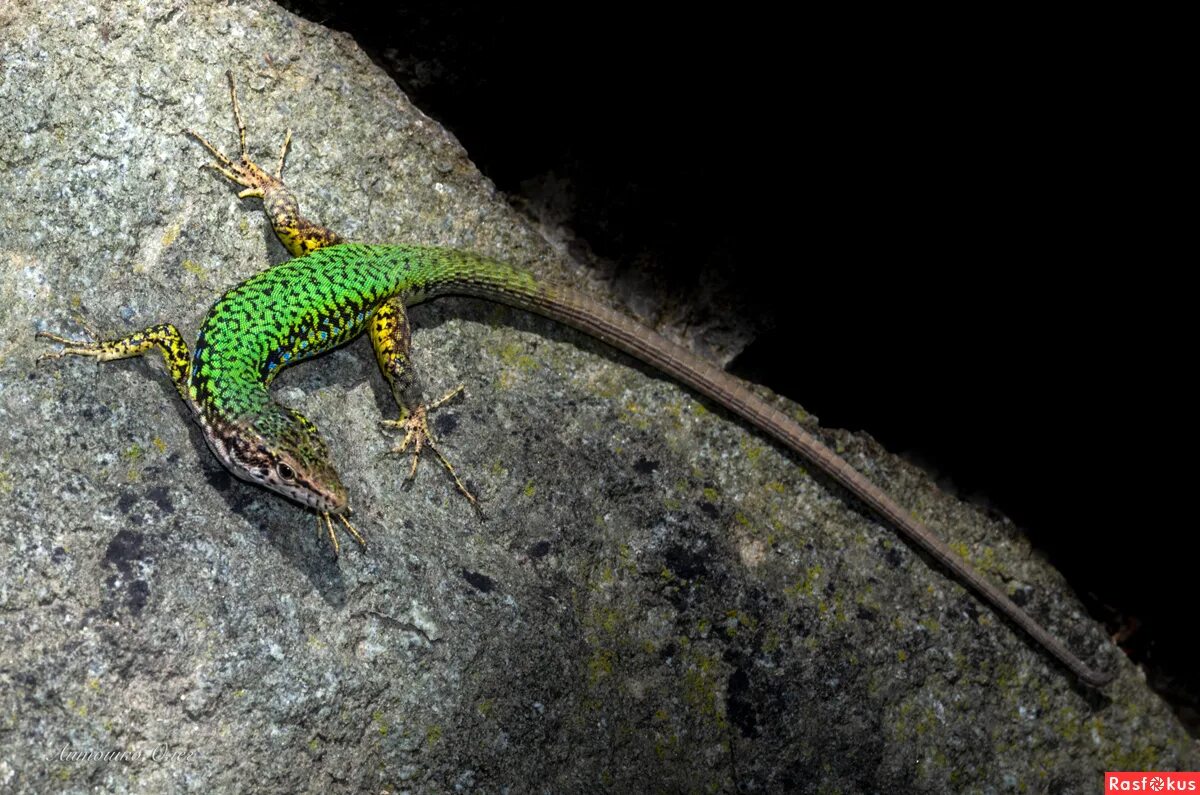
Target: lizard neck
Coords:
[[225, 409]]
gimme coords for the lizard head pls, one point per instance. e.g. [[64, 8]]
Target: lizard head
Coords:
[[281, 450]]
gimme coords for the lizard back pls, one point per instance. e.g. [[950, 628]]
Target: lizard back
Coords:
[[286, 314]]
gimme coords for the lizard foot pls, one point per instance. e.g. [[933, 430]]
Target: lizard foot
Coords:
[[88, 347], [244, 171], [418, 436], [328, 527]]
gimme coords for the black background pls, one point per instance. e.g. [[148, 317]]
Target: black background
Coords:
[[964, 222]]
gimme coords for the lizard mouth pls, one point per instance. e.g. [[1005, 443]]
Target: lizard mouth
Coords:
[[326, 501]]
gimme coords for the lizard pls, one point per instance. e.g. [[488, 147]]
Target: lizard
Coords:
[[333, 291]]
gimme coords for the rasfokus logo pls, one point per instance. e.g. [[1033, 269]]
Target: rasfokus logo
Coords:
[[1145, 781]]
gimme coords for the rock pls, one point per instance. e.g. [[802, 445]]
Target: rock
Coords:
[[659, 599]]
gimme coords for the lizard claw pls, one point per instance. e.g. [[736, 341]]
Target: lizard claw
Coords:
[[243, 171], [419, 438], [351, 529], [70, 347]]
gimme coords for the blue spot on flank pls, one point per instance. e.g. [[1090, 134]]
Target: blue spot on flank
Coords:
[[287, 356], [271, 366], [324, 334], [303, 343], [360, 317]]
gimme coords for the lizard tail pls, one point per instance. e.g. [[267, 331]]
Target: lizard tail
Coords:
[[504, 284]]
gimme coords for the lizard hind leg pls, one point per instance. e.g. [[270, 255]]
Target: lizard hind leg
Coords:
[[391, 336], [418, 436], [243, 171], [297, 233]]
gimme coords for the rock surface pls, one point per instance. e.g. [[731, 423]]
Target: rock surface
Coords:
[[659, 599]]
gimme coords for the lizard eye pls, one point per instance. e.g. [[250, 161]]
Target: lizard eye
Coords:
[[285, 472]]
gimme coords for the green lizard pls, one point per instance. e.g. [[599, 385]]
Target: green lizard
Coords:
[[333, 291]]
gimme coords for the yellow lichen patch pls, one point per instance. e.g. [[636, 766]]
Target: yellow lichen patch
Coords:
[[737, 620], [606, 383], [753, 451], [380, 724], [665, 744], [601, 665], [807, 585], [170, 235], [985, 561], [635, 414], [1142, 756], [433, 734], [513, 354], [193, 267], [159, 444], [701, 690]]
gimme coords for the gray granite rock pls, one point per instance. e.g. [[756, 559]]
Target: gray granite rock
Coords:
[[659, 599]]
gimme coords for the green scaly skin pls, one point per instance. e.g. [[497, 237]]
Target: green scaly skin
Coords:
[[334, 291], [290, 313]]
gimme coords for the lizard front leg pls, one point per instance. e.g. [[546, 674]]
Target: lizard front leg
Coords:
[[165, 337], [391, 337], [298, 234]]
